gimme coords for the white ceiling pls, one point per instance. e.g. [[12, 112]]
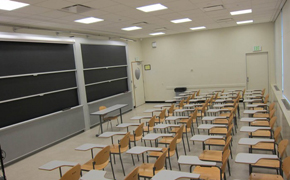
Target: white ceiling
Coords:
[[118, 14]]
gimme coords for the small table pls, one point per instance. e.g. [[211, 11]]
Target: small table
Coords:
[[57, 164], [140, 117], [250, 129], [252, 100], [94, 175], [152, 111], [155, 136], [203, 138], [255, 105], [137, 150], [251, 112], [88, 146], [253, 141], [212, 118], [127, 125], [173, 175], [251, 119], [210, 126], [111, 134], [162, 105], [249, 158], [194, 161], [101, 113]]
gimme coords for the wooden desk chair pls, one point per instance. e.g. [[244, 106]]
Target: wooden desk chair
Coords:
[[222, 130], [202, 104], [179, 133], [220, 142], [73, 174], [266, 99], [193, 96], [134, 175], [215, 155], [149, 125], [193, 116], [187, 100], [108, 118], [186, 129], [171, 110], [120, 148], [161, 117], [214, 172], [264, 123], [148, 170], [171, 150], [198, 92], [100, 161], [201, 113], [264, 133], [268, 146], [137, 134], [266, 115], [180, 105], [285, 169], [273, 163]]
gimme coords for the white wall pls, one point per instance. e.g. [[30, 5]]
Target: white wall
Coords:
[[204, 59], [278, 52]]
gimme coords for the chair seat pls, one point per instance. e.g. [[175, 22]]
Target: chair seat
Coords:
[[115, 149], [218, 131], [185, 120], [89, 165], [264, 146], [167, 140], [199, 114], [211, 155], [261, 133], [159, 153], [184, 130], [260, 123], [258, 176], [225, 114], [208, 172], [146, 170], [159, 121], [269, 163], [137, 138], [220, 121], [217, 142], [147, 129], [261, 115]]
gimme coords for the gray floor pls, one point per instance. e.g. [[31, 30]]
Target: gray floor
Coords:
[[27, 169]]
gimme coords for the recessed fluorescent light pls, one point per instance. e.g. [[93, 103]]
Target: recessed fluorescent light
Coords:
[[244, 22], [89, 20], [197, 28], [152, 7], [181, 20], [246, 11], [157, 33], [132, 28], [11, 5]]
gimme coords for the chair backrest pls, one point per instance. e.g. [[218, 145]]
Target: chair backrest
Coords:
[[223, 91], [151, 122], [230, 122], [160, 162], [189, 122], [124, 142], [73, 174], [194, 114], [203, 108], [197, 93], [181, 104], [179, 132], [225, 157], [272, 112], [171, 109], [134, 175], [187, 99], [162, 115], [102, 157], [243, 94], [263, 91], [266, 99], [286, 167], [139, 130], [216, 95], [227, 144], [229, 131], [282, 147], [271, 106], [193, 96], [277, 133], [172, 145]]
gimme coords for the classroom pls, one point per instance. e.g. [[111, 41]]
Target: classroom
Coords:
[[67, 83]]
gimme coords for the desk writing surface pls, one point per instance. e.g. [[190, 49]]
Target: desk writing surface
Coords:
[[209, 126], [219, 101], [215, 110], [254, 141], [253, 128], [56, 164], [211, 118], [109, 109], [255, 105], [141, 117], [153, 136], [163, 126], [192, 105], [254, 111], [173, 118], [123, 125], [252, 100], [89, 146], [249, 158], [110, 134], [173, 175], [142, 149], [194, 160], [94, 175], [162, 105], [152, 110], [202, 138], [251, 119]]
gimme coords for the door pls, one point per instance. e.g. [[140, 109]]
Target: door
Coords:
[[257, 71], [138, 85]]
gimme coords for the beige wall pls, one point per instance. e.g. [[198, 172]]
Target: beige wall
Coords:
[[204, 59], [278, 52]]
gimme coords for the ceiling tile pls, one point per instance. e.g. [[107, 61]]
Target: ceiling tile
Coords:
[[55, 14], [32, 10], [55, 4], [98, 4]]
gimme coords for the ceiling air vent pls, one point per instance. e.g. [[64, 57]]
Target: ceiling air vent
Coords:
[[160, 29], [140, 24], [213, 8], [224, 20], [77, 8]]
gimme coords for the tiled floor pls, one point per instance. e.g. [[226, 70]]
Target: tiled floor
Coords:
[[27, 169]]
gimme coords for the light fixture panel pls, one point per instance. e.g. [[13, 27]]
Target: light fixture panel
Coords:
[[245, 22], [89, 20], [132, 28], [156, 34], [181, 20], [246, 11], [8, 5], [152, 7], [198, 28]]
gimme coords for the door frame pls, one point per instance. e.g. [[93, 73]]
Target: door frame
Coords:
[[264, 52], [133, 88]]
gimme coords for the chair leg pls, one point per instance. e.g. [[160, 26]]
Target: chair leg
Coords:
[[122, 164], [112, 168], [169, 163], [176, 151], [229, 168], [133, 160], [188, 143], [183, 145]]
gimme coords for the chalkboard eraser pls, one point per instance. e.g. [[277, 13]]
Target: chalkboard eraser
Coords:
[[66, 109]]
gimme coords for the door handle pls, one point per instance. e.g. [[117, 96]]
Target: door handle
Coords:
[[248, 79]]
